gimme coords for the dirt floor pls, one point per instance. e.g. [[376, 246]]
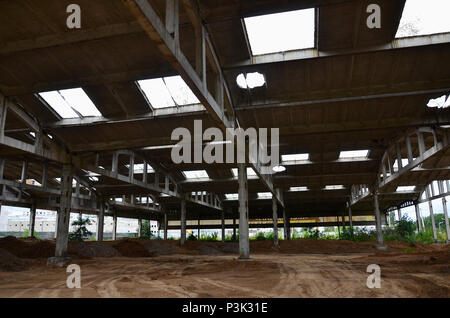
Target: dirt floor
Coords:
[[300, 268]]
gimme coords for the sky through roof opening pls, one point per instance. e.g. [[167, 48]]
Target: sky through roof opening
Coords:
[[353, 154], [196, 174], [250, 80], [250, 172], [70, 103], [422, 17], [280, 32], [167, 92], [440, 102]]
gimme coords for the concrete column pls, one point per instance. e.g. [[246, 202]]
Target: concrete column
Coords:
[[198, 228], [275, 221], [433, 223], [183, 222], [244, 245], [62, 234], [447, 226], [139, 228], [32, 220], [418, 217], [234, 229], [378, 223], [350, 219], [165, 225], [100, 221], [343, 222], [399, 214], [223, 226], [114, 229], [285, 225], [56, 223]]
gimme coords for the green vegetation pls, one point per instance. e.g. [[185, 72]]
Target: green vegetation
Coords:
[[26, 234], [81, 233], [146, 233], [209, 237]]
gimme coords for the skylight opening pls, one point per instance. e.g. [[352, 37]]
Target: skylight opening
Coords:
[[334, 187], [295, 157], [232, 196], [264, 195], [250, 172], [405, 188], [70, 103], [424, 17], [195, 174], [167, 92], [440, 102], [405, 162], [138, 168], [280, 32], [353, 154], [250, 80], [298, 189]]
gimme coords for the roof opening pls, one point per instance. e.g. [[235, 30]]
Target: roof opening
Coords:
[[297, 189], [440, 102], [295, 157], [353, 154], [250, 172], [264, 195], [167, 92], [138, 168], [232, 196], [424, 17], [250, 80], [334, 187], [405, 188], [195, 174], [281, 32], [70, 103]]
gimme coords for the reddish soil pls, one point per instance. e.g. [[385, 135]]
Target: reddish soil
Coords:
[[300, 268]]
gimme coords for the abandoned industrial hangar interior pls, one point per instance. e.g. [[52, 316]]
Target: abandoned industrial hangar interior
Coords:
[[303, 141]]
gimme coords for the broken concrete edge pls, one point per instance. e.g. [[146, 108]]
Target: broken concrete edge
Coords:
[[59, 261]]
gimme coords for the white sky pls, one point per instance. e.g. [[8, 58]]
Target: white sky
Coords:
[[281, 31], [428, 16]]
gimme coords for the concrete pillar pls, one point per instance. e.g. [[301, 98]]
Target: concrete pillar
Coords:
[[378, 222], [223, 226], [114, 228], [418, 217], [140, 228], [56, 223], [234, 229], [198, 228], [285, 225], [433, 223], [62, 234], [275, 221], [100, 221], [244, 244], [350, 219], [399, 214], [32, 220], [165, 225], [183, 222], [343, 222], [447, 226]]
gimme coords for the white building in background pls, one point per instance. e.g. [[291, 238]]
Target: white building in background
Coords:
[[15, 219]]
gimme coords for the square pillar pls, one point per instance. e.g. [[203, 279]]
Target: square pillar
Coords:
[[139, 228], [223, 226], [166, 224], [285, 225], [100, 221], [32, 220], [380, 244], [275, 221], [114, 229], [244, 244], [447, 226], [183, 222], [418, 217]]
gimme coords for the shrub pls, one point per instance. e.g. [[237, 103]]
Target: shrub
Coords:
[[26, 234], [209, 237], [192, 237], [81, 233]]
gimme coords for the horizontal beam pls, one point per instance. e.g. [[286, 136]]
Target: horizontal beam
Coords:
[[295, 55]]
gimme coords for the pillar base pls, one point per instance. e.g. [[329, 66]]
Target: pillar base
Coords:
[[59, 261], [244, 259], [382, 247]]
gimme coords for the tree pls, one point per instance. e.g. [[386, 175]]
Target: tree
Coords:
[[146, 232], [81, 233]]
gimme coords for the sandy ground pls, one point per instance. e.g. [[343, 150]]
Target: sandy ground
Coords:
[[211, 270]]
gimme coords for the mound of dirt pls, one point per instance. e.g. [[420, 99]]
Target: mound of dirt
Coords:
[[131, 248], [92, 249], [11, 263], [28, 248], [157, 247]]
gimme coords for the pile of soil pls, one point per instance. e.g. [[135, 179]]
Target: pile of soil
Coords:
[[92, 249], [131, 248], [11, 263], [28, 248], [157, 247]]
